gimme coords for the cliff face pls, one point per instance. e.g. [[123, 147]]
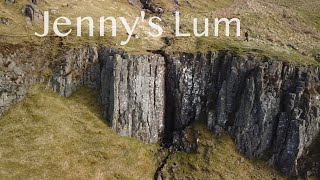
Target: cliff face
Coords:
[[131, 88], [76, 68], [271, 108], [12, 89], [133, 93], [19, 70]]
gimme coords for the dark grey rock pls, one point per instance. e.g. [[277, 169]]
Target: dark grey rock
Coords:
[[186, 140], [131, 89], [78, 67], [271, 108], [36, 2], [32, 12], [5, 21], [14, 80]]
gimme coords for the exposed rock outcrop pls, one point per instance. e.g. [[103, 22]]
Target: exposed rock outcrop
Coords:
[[151, 6], [131, 88], [76, 68], [133, 92], [36, 2], [10, 94], [12, 89], [18, 71], [32, 12], [134, 2], [271, 108]]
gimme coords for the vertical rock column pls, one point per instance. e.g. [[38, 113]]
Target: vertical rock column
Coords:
[[133, 93]]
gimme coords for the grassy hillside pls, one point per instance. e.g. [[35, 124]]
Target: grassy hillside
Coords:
[[19, 33], [283, 28], [51, 137], [216, 159]]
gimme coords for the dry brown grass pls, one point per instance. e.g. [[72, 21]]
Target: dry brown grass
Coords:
[[286, 29], [289, 32], [217, 159], [18, 33], [50, 137]]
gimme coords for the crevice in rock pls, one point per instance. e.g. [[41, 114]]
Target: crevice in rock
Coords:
[[158, 173], [169, 108], [267, 106], [264, 104]]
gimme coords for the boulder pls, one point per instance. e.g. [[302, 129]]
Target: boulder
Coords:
[[32, 12]]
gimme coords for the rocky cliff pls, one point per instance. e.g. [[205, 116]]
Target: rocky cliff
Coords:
[[131, 88], [271, 108], [133, 93], [19, 69], [11, 77]]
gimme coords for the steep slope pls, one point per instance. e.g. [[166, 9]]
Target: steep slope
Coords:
[[216, 158], [260, 91], [49, 137], [270, 107]]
